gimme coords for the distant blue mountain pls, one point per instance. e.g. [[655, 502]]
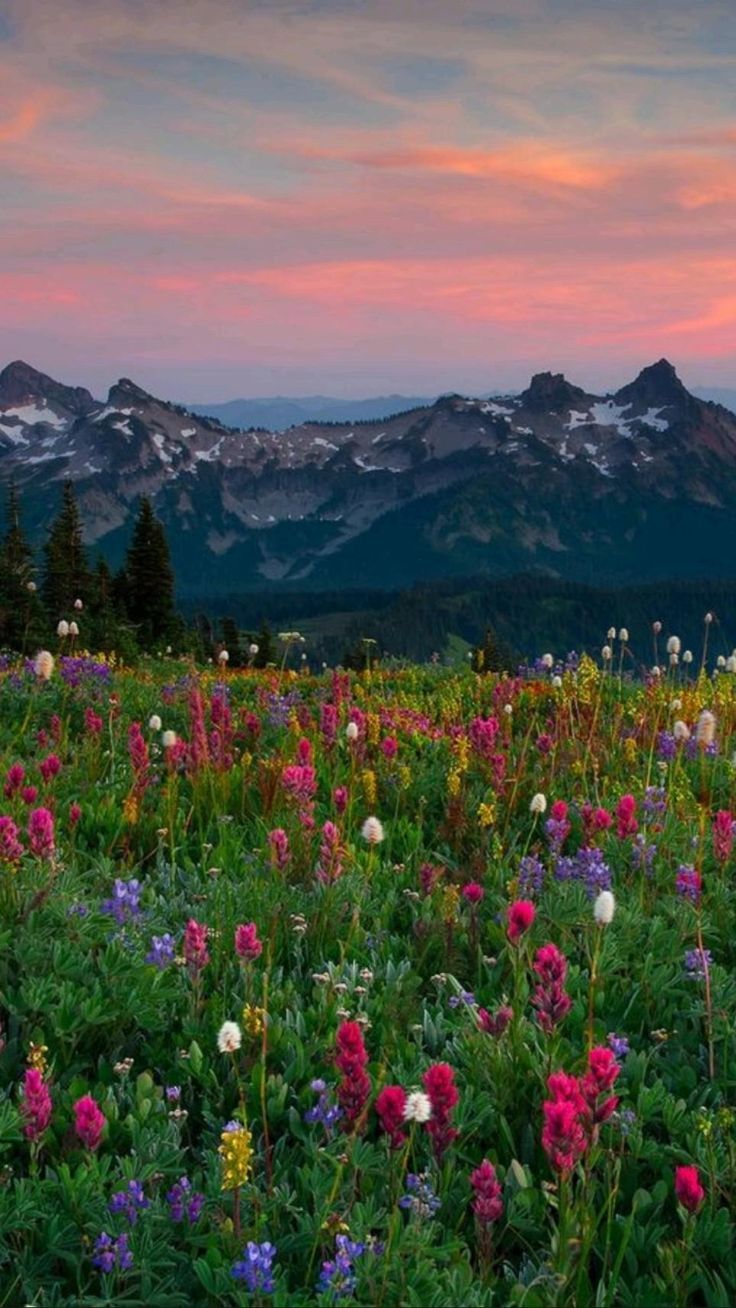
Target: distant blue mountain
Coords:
[[278, 412]]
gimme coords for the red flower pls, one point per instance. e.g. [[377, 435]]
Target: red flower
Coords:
[[88, 1121], [439, 1083], [351, 1059], [247, 945], [495, 1023], [195, 946], [563, 1138], [390, 1106], [473, 892], [520, 917], [550, 998], [688, 1190], [600, 1077], [35, 1104], [627, 824], [487, 1200]]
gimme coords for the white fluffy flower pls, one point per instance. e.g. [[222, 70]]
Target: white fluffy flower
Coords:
[[168, 739], [681, 730], [538, 804], [63, 628], [604, 908], [557, 682], [372, 831], [229, 1038], [656, 671], [623, 635], [611, 634], [43, 664], [351, 731], [731, 663], [253, 649], [547, 661], [674, 660], [673, 645], [708, 619], [78, 605], [706, 728], [721, 661], [656, 628], [154, 722], [223, 656], [676, 705], [606, 653], [31, 587], [687, 656], [508, 709], [73, 629], [418, 1107]]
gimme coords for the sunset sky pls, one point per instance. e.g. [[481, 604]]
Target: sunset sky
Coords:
[[221, 198]]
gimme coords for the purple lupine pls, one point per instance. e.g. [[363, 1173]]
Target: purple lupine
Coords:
[[130, 1202]]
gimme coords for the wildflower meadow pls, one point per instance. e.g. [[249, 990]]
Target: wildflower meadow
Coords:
[[408, 986]]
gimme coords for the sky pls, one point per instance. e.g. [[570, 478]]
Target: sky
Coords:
[[252, 197]]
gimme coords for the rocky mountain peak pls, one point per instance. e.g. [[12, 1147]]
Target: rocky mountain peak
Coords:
[[22, 384], [657, 385], [125, 393], [551, 391]]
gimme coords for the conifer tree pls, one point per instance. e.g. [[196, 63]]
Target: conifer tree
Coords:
[[267, 652], [21, 618], [66, 575], [148, 580], [231, 641]]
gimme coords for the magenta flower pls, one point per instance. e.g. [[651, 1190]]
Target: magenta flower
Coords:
[[50, 767], [41, 837], [195, 947], [88, 1121], [724, 831], [247, 945], [473, 892], [13, 779], [10, 847], [35, 1104], [351, 1059], [487, 1198], [521, 915]]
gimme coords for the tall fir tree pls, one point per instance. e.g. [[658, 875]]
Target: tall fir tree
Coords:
[[21, 617], [148, 580], [66, 575]]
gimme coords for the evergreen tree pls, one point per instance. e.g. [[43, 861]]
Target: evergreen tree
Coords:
[[267, 652], [231, 641], [148, 580], [21, 618], [66, 574]]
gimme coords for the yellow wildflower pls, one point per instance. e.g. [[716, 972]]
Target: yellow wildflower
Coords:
[[236, 1153], [369, 787], [130, 809], [253, 1019], [37, 1056], [450, 901]]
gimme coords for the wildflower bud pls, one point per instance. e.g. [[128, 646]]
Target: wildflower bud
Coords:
[[62, 628], [604, 908], [538, 803], [708, 619], [520, 918], [688, 1190], [656, 628]]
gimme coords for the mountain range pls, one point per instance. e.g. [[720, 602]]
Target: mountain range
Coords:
[[631, 486]]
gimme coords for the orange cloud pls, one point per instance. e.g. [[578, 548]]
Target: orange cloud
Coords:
[[20, 125]]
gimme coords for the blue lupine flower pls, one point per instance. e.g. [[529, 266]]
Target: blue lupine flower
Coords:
[[161, 952], [112, 1254], [531, 875], [184, 1202], [420, 1199], [619, 1045], [255, 1267], [129, 1202], [123, 905], [696, 962]]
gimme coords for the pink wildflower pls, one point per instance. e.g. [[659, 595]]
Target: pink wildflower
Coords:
[[390, 1106], [195, 947], [10, 847], [351, 1059], [487, 1196], [35, 1104], [247, 945], [88, 1121], [439, 1084], [41, 833], [688, 1190], [521, 915]]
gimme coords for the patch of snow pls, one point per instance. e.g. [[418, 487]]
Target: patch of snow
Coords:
[[188, 431], [590, 449], [602, 468], [16, 434], [607, 414], [564, 452], [577, 419], [40, 458], [378, 438], [159, 441], [523, 431], [32, 413], [500, 410], [124, 427], [207, 456], [651, 419], [108, 409], [327, 445]]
